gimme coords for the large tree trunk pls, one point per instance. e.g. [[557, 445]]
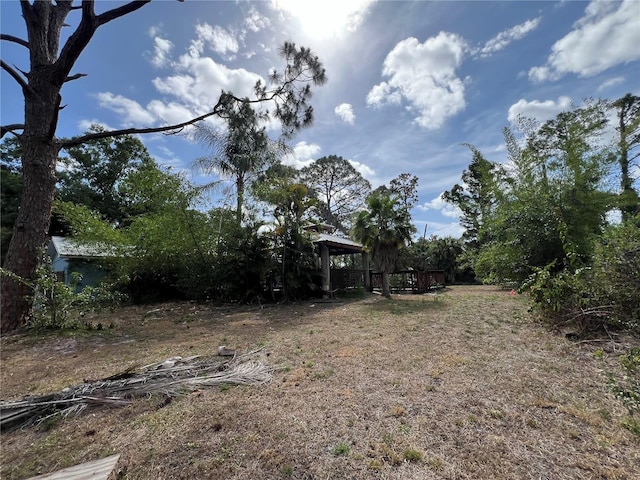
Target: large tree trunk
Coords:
[[39, 154]]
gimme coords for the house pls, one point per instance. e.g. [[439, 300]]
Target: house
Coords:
[[69, 255]]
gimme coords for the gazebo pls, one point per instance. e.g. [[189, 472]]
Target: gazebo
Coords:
[[329, 245]]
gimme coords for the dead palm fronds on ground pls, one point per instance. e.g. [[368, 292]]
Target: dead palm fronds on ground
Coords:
[[170, 377]]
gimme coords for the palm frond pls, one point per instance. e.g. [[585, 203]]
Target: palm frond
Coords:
[[171, 377]]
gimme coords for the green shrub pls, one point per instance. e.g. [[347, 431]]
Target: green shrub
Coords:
[[603, 295], [616, 274], [57, 305]]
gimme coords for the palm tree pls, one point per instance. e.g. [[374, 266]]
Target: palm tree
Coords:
[[384, 228], [241, 153]]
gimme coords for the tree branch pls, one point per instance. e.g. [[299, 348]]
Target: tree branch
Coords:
[[4, 129], [11, 38], [72, 142], [16, 76], [120, 11], [81, 37], [75, 77], [27, 10], [217, 110]]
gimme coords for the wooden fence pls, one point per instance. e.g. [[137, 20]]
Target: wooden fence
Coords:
[[410, 281], [344, 278]]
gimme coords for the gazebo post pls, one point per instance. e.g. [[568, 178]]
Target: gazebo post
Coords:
[[326, 268], [365, 267]]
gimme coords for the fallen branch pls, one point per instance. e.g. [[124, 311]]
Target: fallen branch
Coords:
[[171, 377]]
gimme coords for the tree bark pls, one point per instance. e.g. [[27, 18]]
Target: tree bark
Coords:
[[39, 157], [386, 291]]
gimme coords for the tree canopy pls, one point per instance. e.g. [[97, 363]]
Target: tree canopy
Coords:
[[338, 187], [51, 59], [94, 173], [241, 153]]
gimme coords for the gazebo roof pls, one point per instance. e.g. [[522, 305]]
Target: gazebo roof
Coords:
[[337, 245]]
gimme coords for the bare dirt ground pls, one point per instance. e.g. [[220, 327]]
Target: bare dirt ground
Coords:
[[457, 385]]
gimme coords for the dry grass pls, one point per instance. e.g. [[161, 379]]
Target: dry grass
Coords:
[[459, 385]]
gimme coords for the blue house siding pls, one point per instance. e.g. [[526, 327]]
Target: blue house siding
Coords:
[[68, 257]]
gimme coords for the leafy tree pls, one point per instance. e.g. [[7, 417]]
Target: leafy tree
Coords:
[[604, 295], [294, 253], [576, 166], [628, 128], [616, 274], [384, 227], [95, 170], [339, 188], [50, 66], [416, 256], [242, 152], [405, 186], [438, 253], [84, 224], [552, 206], [476, 197], [151, 189], [171, 255]]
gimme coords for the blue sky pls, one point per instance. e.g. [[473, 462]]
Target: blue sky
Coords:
[[409, 82]]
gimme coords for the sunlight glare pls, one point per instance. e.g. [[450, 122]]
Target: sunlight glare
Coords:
[[326, 18]]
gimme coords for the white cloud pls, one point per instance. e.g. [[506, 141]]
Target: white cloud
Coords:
[[345, 112], [170, 113], [446, 209], [612, 82], [85, 124], [424, 75], [504, 38], [219, 40], [541, 111], [608, 35], [155, 30], [193, 89], [365, 170], [255, 22], [303, 154], [161, 52], [382, 94], [132, 112], [198, 81]]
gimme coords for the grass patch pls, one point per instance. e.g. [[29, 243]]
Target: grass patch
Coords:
[[409, 305], [431, 386], [341, 448], [412, 454]]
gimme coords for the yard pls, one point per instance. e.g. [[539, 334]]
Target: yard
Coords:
[[455, 385]]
